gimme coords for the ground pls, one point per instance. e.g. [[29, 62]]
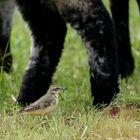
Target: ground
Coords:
[[75, 118]]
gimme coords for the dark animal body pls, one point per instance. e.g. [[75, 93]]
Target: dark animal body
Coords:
[[47, 22]]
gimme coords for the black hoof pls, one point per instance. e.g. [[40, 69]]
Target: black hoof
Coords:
[[27, 99], [23, 101]]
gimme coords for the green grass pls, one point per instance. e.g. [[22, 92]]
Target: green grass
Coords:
[[75, 117]]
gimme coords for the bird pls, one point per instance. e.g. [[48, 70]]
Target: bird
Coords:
[[44, 105]]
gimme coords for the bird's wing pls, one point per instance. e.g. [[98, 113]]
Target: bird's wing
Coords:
[[49, 102], [30, 108], [40, 104]]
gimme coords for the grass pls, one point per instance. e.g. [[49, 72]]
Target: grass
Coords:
[[75, 117]]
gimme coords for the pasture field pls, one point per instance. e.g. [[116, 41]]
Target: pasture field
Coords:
[[75, 118]]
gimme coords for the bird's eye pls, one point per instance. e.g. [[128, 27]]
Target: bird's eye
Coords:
[[56, 88]]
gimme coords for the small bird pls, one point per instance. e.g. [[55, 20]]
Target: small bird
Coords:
[[46, 104]]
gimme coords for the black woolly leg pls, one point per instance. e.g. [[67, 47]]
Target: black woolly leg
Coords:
[[48, 32], [120, 13], [138, 1], [6, 12], [94, 24]]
